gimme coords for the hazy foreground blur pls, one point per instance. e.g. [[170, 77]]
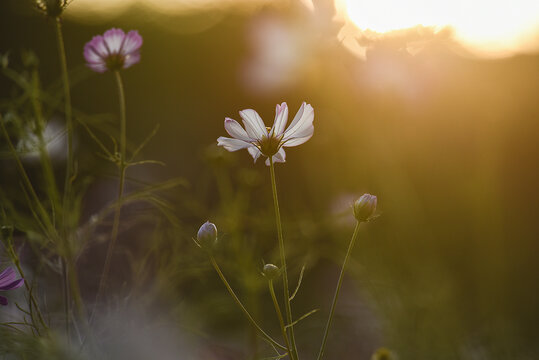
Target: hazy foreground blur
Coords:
[[448, 143]]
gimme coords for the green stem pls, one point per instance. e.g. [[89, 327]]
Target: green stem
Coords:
[[122, 168], [16, 261], [279, 315], [237, 300], [337, 290], [294, 353], [121, 95], [67, 265], [48, 226], [69, 118], [46, 162]]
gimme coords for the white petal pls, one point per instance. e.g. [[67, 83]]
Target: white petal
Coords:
[[298, 140], [302, 123], [279, 157], [114, 39], [235, 130], [232, 144], [281, 117], [253, 124], [255, 153]]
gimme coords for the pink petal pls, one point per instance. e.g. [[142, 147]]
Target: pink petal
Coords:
[[14, 285], [132, 42], [114, 39], [100, 68], [7, 276], [131, 59]]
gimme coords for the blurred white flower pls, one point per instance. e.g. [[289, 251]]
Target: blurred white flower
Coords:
[[259, 140], [54, 139]]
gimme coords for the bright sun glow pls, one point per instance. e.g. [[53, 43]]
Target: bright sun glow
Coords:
[[488, 26]]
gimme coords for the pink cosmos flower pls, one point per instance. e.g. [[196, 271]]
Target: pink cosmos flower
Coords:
[[114, 50], [8, 282], [259, 140]]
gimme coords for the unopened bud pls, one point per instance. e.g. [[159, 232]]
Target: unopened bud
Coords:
[[52, 8], [364, 207], [207, 235], [271, 271]]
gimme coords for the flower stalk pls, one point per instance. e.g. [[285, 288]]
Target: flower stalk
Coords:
[[337, 290], [122, 166], [238, 302], [280, 316], [286, 292], [66, 258]]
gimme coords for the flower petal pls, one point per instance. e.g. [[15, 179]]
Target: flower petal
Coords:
[[15, 284], [7, 276], [235, 130], [97, 46], [100, 68], [253, 124], [131, 59], [94, 50], [232, 144], [114, 39], [302, 124], [298, 140], [255, 153], [132, 42], [281, 117], [3, 301], [279, 157]]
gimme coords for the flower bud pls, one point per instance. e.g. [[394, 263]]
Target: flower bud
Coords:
[[271, 271], [52, 8], [207, 235], [364, 207]]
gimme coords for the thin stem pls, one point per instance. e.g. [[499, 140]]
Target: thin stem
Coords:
[[237, 300], [279, 315], [121, 95], [66, 259], [294, 353], [68, 116], [122, 167], [337, 290], [16, 261], [49, 228]]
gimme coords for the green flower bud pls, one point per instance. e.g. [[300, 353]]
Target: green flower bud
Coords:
[[207, 236], [52, 8], [271, 271], [364, 207]]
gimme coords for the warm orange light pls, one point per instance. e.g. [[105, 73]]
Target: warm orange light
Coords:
[[487, 26]]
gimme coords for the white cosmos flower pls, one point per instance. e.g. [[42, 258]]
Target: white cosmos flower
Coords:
[[260, 140]]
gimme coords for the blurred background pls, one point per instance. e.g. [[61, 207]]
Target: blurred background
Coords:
[[432, 106]]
